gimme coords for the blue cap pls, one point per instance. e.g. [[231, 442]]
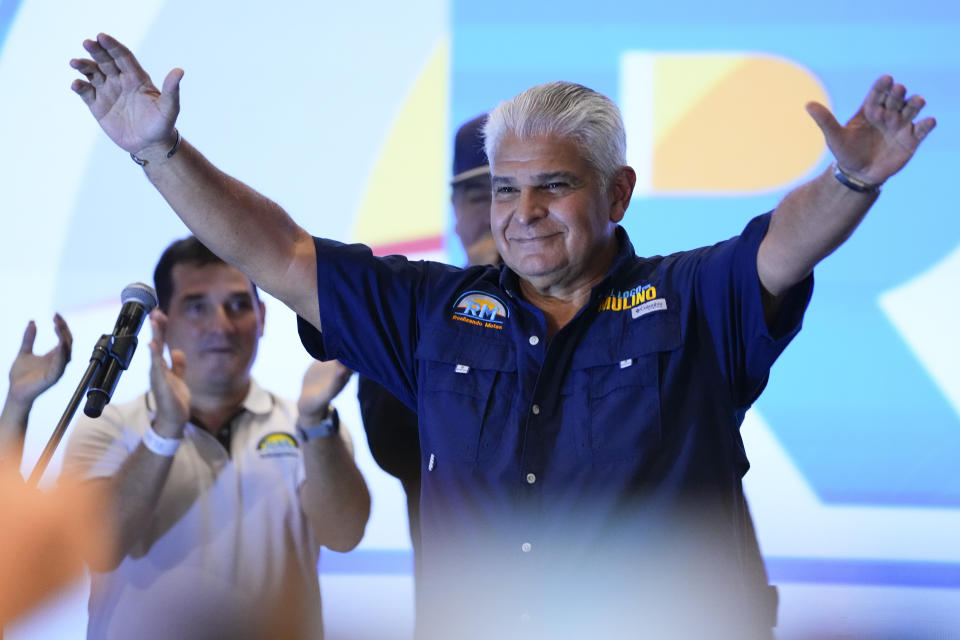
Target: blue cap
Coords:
[[469, 158]]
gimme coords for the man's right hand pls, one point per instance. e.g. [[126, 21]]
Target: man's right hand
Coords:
[[238, 224], [169, 389], [121, 96], [32, 374]]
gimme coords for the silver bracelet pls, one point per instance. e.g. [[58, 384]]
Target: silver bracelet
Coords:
[[173, 150], [161, 446], [852, 183]]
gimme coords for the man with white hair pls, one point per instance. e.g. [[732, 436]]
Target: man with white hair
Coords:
[[579, 407]]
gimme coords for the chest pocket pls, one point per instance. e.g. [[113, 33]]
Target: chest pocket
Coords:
[[621, 385], [467, 388]]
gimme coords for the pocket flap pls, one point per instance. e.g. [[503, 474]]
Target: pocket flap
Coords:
[[645, 335], [458, 348]]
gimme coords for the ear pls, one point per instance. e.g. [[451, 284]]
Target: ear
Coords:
[[263, 315], [620, 191]]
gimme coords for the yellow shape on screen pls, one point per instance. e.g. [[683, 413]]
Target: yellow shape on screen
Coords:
[[405, 199], [718, 123]]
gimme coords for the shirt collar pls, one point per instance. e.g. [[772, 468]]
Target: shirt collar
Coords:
[[624, 258], [257, 401]]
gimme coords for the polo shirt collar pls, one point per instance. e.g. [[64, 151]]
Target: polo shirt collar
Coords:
[[258, 401]]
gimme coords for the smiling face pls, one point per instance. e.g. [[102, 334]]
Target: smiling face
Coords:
[[551, 217], [216, 320]]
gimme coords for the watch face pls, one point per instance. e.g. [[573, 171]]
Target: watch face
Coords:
[[327, 427]]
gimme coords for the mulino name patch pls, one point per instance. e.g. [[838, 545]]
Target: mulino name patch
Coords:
[[480, 309], [643, 297]]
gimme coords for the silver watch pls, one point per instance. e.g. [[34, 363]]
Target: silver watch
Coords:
[[329, 426]]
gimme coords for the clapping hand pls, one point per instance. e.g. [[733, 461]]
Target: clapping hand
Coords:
[[32, 374], [166, 381], [321, 383]]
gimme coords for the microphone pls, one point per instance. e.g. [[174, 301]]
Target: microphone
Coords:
[[114, 351]]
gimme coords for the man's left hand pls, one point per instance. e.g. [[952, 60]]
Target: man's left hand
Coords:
[[321, 384], [881, 137]]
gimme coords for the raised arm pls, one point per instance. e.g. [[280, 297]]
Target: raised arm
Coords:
[[241, 226], [31, 375], [817, 217]]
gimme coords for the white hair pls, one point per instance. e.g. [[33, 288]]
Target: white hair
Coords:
[[566, 110]]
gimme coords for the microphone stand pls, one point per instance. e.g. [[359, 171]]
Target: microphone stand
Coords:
[[108, 346]]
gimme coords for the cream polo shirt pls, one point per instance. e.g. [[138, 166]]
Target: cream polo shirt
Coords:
[[228, 535]]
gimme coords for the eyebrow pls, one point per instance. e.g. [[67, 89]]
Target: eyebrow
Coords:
[[556, 175], [541, 178], [191, 297]]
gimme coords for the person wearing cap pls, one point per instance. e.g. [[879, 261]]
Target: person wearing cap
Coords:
[[579, 407], [470, 195], [222, 493], [391, 427]]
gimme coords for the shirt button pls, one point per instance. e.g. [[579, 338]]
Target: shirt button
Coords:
[[525, 618], [535, 409], [531, 478], [534, 340], [526, 547]]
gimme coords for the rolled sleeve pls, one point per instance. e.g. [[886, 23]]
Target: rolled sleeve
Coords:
[[368, 308], [729, 294]]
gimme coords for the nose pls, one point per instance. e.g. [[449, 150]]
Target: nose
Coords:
[[530, 206], [220, 320]]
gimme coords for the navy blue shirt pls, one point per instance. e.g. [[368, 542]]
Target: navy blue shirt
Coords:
[[609, 454]]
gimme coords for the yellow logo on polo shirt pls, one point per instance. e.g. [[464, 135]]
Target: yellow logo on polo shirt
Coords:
[[623, 300], [278, 443]]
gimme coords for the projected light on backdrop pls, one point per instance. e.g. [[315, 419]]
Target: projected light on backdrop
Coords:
[[854, 443]]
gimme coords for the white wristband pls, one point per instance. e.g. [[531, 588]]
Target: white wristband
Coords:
[[161, 446]]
